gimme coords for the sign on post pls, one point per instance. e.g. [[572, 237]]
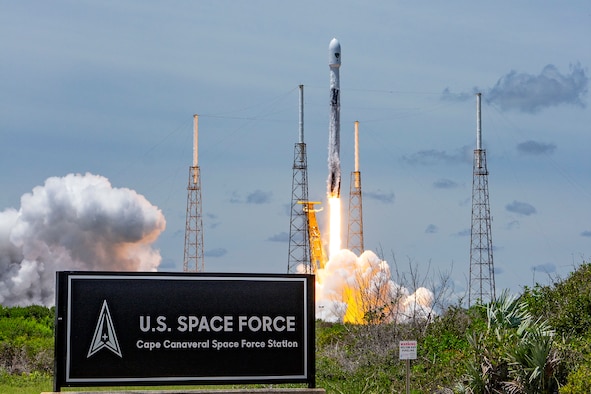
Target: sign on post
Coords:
[[408, 350], [181, 328]]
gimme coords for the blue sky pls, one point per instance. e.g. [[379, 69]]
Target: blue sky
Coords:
[[110, 88]]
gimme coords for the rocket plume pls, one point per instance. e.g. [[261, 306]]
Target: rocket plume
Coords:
[[78, 222], [359, 290]]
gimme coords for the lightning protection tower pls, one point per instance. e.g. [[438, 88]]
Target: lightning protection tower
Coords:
[[299, 237], [355, 228], [482, 276], [193, 259]]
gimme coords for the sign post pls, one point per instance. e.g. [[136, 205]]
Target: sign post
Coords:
[[408, 351]]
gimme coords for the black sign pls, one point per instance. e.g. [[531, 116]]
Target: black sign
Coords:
[[180, 328]]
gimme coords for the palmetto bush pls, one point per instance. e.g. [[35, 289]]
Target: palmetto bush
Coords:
[[516, 354]]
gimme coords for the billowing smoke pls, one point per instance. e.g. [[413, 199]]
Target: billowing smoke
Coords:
[[78, 222], [531, 93], [360, 290]]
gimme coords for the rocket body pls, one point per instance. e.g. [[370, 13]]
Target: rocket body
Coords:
[[334, 161]]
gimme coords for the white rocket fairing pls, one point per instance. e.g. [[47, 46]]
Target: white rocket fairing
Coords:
[[334, 161]]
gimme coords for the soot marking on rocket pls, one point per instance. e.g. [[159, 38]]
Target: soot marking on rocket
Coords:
[[335, 97]]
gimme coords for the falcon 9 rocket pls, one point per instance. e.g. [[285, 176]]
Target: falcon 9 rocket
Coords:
[[334, 161]]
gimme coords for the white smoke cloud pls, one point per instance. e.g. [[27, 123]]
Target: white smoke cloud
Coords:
[[349, 287], [77, 222]]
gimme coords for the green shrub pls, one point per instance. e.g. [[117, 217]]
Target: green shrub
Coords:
[[566, 305], [578, 381], [26, 339]]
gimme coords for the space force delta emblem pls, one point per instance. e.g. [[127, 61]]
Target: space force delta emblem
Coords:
[[104, 334]]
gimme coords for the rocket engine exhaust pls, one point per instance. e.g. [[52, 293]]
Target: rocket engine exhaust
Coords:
[[334, 161]]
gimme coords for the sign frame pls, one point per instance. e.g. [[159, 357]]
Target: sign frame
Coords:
[[408, 350], [238, 328]]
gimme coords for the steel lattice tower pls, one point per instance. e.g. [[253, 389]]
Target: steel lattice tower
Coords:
[[299, 237], [482, 276], [193, 256], [355, 227]]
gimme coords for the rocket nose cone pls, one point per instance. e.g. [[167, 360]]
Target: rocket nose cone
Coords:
[[334, 53]]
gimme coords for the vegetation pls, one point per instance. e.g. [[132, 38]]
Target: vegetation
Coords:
[[26, 349], [539, 342]]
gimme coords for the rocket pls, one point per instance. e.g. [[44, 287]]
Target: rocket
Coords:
[[334, 161]]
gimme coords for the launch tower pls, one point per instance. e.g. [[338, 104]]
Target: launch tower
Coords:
[[355, 228], [482, 276], [193, 258], [299, 237]]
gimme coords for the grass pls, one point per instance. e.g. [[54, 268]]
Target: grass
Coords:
[[33, 383], [37, 383]]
